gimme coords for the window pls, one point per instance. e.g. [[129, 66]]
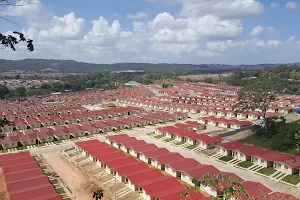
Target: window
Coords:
[[223, 150], [286, 167], [241, 155], [262, 161]]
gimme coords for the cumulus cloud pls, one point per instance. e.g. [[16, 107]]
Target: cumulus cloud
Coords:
[[291, 5], [24, 8], [235, 9], [257, 31], [137, 16], [211, 35]]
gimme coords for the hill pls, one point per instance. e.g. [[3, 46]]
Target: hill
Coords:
[[73, 66]]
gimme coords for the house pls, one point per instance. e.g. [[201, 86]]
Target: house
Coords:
[[76, 130], [161, 161], [46, 135], [137, 150], [128, 123], [61, 133], [175, 169], [10, 141], [28, 138], [147, 156], [102, 127], [205, 141], [123, 172], [198, 172], [226, 149], [196, 126], [288, 164], [237, 124], [138, 121], [244, 153], [266, 158], [111, 165], [111, 139], [115, 124], [255, 190], [127, 146]]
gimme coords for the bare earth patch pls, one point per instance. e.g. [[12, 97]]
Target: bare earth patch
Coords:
[[80, 185], [3, 189], [239, 136]]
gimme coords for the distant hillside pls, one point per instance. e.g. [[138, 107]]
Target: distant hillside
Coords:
[[73, 66]]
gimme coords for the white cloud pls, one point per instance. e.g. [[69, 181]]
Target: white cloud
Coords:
[[211, 35], [257, 31], [272, 29], [24, 8], [138, 15], [274, 5], [235, 9], [291, 5]]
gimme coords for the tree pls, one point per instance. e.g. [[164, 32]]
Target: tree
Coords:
[[232, 187], [255, 98], [98, 194], [3, 91], [13, 39], [20, 91]]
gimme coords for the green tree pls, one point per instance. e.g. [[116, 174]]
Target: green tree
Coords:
[[3, 91], [20, 91], [98, 194], [11, 40], [231, 188]]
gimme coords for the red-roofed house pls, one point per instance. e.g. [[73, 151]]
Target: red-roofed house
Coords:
[[147, 156], [175, 169], [198, 172], [161, 161], [288, 164]]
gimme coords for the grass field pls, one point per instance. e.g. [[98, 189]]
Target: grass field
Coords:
[[245, 164], [266, 171], [159, 136], [179, 143], [191, 147], [292, 179], [226, 158], [169, 140]]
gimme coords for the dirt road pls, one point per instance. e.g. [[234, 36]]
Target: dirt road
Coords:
[[81, 186]]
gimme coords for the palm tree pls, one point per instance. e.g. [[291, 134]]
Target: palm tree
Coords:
[[98, 194]]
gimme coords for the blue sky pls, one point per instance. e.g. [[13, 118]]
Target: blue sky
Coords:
[[182, 31]]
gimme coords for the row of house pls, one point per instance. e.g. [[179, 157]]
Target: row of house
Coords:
[[24, 178], [150, 182], [224, 122], [191, 137], [185, 169], [286, 163], [54, 119], [62, 132]]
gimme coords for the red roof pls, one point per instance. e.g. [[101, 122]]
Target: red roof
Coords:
[[20, 167], [139, 166], [113, 137], [110, 156], [279, 195], [169, 158], [156, 152], [122, 161], [159, 187], [152, 173], [23, 175], [231, 145], [11, 156], [27, 184], [18, 161], [32, 193], [134, 144], [201, 170], [184, 164], [143, 148], [99, 146], [255, 189], [87, 143]]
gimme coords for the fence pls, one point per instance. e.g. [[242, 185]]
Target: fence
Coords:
[[234, 131]]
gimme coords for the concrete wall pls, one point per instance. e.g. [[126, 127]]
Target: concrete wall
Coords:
[[284, 168]]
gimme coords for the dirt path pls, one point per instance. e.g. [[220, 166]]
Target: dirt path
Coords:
[[81, 186], [3, 190]]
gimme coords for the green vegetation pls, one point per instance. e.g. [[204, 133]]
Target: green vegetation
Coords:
[[69, 149], [279, 135], [48, 174], [191, 147], [179, 143], [281, 79], [169, 140], [209, 152], [57, 142], [292, 179], [22, 148], [4, 151], [266, 171], [53, 181], [43, 167], [60, 191], [159, 136], [226, 158], [245, 164], [151, 133]]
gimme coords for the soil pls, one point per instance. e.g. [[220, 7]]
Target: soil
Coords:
[[3, 189], [81, 186], [239, 136]]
